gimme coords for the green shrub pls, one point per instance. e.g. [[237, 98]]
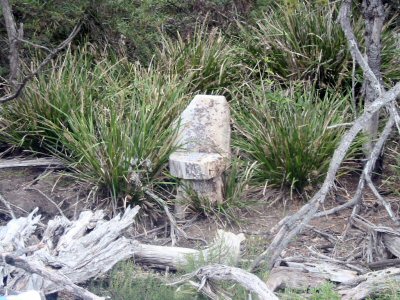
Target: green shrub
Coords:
[[110, 122], [204, 60], [306, 42], [289, 136]]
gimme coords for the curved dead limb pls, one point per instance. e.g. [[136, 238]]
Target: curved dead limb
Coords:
[[295, 223], [369, 166], [47, 59], [219, 272], [385, 204], [34, 267]]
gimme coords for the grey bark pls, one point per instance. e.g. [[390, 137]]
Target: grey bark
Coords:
[[13, 39], [374, 16]]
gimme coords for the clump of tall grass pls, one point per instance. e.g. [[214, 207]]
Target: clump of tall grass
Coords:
[[291, 135], [205, 60], [305, 42], [108, 121]]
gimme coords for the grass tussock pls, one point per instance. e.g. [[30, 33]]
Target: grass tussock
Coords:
[[204, 60], [289, 134], [305, 42], [109, 121]]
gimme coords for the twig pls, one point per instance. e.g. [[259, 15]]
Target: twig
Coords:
[[48, 58], [8, 206], [327, 236], [34, 45], [174, 225], [382, 200], [48, 198]]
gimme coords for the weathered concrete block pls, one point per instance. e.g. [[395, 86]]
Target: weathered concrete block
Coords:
[[205, 126], [204, 150], [196, 165]]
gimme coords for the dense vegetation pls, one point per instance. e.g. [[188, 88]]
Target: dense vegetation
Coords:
[[106, 106]]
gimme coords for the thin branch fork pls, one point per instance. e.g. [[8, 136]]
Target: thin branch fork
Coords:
[[295, 223], [48, 58]]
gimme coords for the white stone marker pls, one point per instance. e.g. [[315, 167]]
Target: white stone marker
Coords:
[[204, 150]]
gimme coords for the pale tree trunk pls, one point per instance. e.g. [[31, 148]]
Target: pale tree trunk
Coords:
[[14, 36], [374, 16]]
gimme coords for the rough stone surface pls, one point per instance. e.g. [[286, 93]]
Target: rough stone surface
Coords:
[[205, 126], [204, 150], [196, 165]]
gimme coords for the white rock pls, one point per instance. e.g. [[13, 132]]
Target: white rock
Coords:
[[205, 126], [196, 165], [203, 154]]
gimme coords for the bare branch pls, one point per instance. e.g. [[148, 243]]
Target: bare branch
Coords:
[[34, 45], [48, 58], [295, 223], [7, 205], [32, 266]]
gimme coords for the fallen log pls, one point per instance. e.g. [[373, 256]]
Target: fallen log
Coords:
[[76, 251], [219, 272], [307, 274], [36, 162], [372, 283]]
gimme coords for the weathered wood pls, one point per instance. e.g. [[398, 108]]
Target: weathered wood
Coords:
[[381, 239], [225, 249], [37, 162], [89, 247], [291, 226], [220, 272], [13, 35], [369, 284], [294, 224], [281, 278], [35, 267], [384, 263]]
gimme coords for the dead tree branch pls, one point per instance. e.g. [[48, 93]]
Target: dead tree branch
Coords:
[[14, 36], [221, 273], [295, 223], [34, 73], [34, 267]]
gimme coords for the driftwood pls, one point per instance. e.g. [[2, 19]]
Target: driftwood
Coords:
[[211, 273], [381, 241], [303, 273], [72, 252], [349, 284], [369, 284], [37, 162], [225, 249]]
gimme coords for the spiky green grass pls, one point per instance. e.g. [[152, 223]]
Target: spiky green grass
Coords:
[[110, 122], [291, 135]]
